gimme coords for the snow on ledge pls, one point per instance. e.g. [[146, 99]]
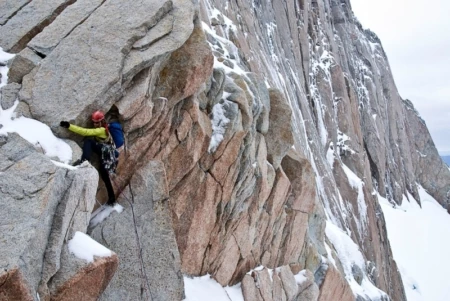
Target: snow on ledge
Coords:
[[204, 287], [219, 124], [35, 132], [349, 254], [420, 242], [4, 57], [84, 247], [63, 165], [102, 213]]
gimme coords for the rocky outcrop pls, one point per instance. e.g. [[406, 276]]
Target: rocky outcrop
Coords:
[[249, 124], [79, 280], [143, 239], [43, 207], [280, 285], [335, 287], [13, 286], [31, 188]]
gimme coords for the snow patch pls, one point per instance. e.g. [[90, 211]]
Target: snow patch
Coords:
[[349, 255], [301, 277], [420, 154], [330, 155], [358, 184], [215, 13], [205, 288], [64, 165], [84, 247], [341, 145], [4, 57], [102, 213], [420, 241], [219, 124], [35, 132]]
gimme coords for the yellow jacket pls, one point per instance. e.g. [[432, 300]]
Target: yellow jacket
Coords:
[[100, 133]]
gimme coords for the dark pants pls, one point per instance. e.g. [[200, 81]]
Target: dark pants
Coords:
[[91, 146]]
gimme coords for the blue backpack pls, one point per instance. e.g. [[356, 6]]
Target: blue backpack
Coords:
[[116, 131]]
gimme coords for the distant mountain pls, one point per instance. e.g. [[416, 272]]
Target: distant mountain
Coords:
[[446, 159]]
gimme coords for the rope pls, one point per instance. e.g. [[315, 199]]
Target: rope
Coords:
[[144, 277], [101, 205]]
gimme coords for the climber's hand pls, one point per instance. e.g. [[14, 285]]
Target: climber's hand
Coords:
[[64, 124]]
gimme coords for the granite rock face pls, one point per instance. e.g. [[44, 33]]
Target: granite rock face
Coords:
[[43, 207], [250, 126], [144, 240]]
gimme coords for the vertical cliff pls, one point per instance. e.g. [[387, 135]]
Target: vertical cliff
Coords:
[[259, 133]]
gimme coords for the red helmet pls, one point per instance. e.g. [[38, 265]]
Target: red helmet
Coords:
[[97, 116]]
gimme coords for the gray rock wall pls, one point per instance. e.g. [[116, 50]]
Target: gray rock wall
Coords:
[[144, 240], [44, 205]]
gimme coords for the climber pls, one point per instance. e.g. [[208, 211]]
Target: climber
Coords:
[[99, 141]]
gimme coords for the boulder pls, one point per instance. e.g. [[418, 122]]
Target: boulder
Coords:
[[250, 290], [303, 182], [81, 280], [9, 95], [31, 190], [335, 287], [288, 282], [13, 287], [264, 283], [43, 206], [278, 291], [71, 215], [279, 137], [307, 288], [22, 64]]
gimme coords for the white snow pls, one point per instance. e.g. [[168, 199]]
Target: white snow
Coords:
[[330, 155], [358, 184], [300, 277], [420, 241], [330, 255], [205, 288], [102, 213], [35, 132], [341, 143], [349, 255], [64, 165], [420, 154], [84, 247], [215, 13], [219, 124], [230, 50], [4, 56]]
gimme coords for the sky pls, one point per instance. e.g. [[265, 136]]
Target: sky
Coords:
[[416, 37]]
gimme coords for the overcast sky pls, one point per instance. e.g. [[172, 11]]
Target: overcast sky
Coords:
[[416, 37]]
